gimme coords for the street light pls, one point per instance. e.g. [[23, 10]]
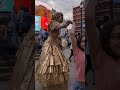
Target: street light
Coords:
[[81, 7]]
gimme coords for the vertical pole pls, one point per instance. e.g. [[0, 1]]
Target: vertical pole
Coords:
[[81, 20]]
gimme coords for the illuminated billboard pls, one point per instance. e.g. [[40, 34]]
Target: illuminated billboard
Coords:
[[37, 23], [45, 22], [41, 23]]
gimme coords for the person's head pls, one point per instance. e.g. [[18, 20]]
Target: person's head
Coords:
[[58, 17], [81, 42], [110, 38]]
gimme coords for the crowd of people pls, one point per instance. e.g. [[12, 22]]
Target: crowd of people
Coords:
[[40, 37], [14, 27], [53, 53], [102, 54]]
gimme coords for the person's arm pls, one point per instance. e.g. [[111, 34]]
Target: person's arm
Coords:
[[64, 25], [73, 39], [93, 38]]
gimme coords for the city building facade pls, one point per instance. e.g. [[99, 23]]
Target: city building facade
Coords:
[[110, 8], [79, 17]]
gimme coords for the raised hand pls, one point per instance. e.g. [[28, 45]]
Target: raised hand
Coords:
[[72, 30], [68, 22], [65, 24]]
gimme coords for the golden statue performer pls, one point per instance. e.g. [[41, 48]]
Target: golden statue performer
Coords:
[[52, 71], [23, 72]]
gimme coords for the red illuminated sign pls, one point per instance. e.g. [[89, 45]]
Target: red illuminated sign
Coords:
[[45, 22]]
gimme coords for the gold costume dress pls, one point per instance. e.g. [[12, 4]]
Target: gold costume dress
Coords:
[[52, 70], [23, 72]]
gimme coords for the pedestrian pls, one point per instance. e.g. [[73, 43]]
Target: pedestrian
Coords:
[[69, 41], [52, 70], [40, 40], [36, 43], [79, 57], [105, 51], [71, 52], [45, 34]]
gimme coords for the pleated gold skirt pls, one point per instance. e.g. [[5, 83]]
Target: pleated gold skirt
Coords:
[[52, 70]]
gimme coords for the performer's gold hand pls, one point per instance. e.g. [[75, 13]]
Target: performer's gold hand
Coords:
[[69, 22]]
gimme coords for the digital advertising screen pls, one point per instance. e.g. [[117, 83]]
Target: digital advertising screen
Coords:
[[45, 22], [37, 23]]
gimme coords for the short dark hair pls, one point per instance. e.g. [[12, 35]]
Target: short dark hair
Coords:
[[105, 35], [79, 39]]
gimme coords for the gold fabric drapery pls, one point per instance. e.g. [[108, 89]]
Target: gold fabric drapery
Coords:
[[52, 70], [23, 72]]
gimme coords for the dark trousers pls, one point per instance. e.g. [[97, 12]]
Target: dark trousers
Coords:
[[71, 54]]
